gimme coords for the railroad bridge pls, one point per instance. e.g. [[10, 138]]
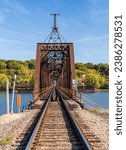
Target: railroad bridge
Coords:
[[58, 125], [54, 63]]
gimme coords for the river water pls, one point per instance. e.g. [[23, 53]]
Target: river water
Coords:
[[25, 97], [97, 100], [100, 98]]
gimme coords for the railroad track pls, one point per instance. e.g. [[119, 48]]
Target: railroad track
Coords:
[[56, 128], [25, 134], [94, 142]]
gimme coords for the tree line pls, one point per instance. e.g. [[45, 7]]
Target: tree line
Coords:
[[89, 75], [24, 71]]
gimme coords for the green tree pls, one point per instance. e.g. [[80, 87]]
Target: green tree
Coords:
[[3, 79], [79, 73], [12, 64], [92, 80], [81, 66], [89, 65], [23, 69], [31, 64], [89, 74], [2, 65], [103, 69], [102, 81], [25, 77]]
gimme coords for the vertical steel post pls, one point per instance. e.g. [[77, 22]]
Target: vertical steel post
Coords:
[[80, 97], [12, 102], [37, 67], [72, 65], [54, 25], [7, 96], [19, 110]]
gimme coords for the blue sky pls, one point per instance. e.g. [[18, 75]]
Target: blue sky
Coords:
[[24, 23]]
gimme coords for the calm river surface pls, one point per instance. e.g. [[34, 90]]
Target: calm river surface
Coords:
[[98, 99], [25, 97], [101, 98]]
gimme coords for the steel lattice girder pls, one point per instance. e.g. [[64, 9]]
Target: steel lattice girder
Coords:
[[54, 61]]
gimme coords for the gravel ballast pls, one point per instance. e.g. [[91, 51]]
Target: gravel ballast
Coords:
[[11, 125]]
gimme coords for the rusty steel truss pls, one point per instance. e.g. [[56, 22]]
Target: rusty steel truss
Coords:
[[54, 62]]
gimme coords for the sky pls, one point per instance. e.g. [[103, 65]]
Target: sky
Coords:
[[24, 23]]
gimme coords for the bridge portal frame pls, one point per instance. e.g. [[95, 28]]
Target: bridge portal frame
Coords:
[[41, 52]]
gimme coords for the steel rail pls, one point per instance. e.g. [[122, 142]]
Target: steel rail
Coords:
[[44, 108], [83, 140]]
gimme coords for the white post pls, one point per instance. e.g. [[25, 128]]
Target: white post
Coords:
[[7, 96], [19, 110], [12, 102]]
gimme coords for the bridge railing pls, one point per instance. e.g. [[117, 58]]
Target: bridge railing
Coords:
[[91, 103], [69, 92], [83, 99], [88, 102], [41, 92]]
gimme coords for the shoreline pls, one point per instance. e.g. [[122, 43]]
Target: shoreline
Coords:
[[93, 90], [18, 91], [79, 89]]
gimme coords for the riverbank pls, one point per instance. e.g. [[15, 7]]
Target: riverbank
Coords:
[[92, 90], [20, 90]]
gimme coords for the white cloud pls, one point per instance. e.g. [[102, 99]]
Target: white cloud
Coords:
[[93, 38], [12, 41], [15, 6], [11, 6], [2, 17], [57, 3]]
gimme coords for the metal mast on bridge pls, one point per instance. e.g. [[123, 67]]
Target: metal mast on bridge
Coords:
[[54, 61], [54, 35], [55, 28]]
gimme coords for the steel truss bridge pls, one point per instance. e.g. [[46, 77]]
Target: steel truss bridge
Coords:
[[58, 127], [54, 63]]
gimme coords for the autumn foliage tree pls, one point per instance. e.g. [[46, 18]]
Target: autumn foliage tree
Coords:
[[91, 75], [88, 74], [23, 69]]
